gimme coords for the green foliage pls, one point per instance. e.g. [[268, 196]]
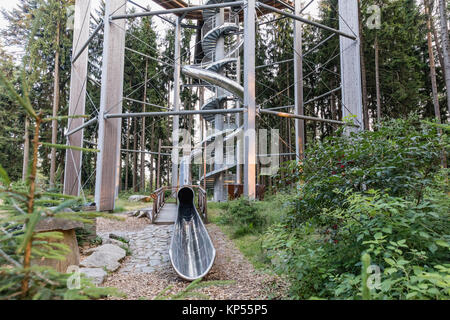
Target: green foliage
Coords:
[[376, 198], [408, 241], [22, 207], [401, 157], [244, 216]]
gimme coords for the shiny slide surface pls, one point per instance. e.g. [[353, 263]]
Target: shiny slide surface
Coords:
[[191, 250]]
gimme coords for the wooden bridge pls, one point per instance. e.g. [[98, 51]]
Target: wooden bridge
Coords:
[[165, 213]]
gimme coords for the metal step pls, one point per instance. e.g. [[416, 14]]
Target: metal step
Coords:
[[218, 65], [211, 104], [209, 41]]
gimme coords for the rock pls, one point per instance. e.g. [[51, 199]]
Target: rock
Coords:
[[97, 275], [136, 198], [101, 260], [118, 237], [106, 256], [52, 224], [116, 243], [67, 228]]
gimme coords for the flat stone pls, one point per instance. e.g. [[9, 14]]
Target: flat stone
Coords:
[[147, 269], [101, 259], [50, 224], [106, 256], [97, 275], [112, 250]]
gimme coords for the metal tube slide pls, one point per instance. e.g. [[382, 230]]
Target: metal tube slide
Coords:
[[215, 79], [191, 250]]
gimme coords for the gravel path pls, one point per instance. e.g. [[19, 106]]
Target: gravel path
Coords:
[[148, 271]]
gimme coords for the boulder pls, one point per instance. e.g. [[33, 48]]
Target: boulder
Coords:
[[137, 198], [97, 275], [106, 256], [67, 228]]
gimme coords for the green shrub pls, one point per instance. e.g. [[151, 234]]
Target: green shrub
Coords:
[[372, 196], [400, 157], [243, 216], [408, 241]]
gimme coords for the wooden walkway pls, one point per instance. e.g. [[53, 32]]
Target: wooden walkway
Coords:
[[167, 215]]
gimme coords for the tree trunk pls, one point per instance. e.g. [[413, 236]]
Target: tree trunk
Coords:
[[55, 109], [143, 129], [26, 150], [437, 111], [445, 47], [432, 65], [363, 72], [377, 79], [438, 48]]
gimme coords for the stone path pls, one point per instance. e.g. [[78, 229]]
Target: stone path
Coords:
[[149, 248]]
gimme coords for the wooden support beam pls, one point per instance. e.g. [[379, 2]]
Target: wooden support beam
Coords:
[[108, 159], [249, 100], [350, 61], [176, 101], [298, 84], [77, 99]]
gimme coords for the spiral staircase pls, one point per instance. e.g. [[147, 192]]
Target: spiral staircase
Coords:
[[211, 71]]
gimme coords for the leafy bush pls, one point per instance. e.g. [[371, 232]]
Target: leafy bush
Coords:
[[243, 216], [400, 157], [379, 195], [408, 241]]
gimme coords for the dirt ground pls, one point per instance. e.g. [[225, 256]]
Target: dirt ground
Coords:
[[245, 282]]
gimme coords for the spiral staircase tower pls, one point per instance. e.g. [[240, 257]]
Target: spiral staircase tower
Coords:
[[219, 26]]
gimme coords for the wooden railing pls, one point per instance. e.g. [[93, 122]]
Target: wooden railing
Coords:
[[202, 204], [159, 200]]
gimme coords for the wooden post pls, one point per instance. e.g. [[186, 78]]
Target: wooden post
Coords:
[[298, 86], [158, 168], [143, 146], [249, 100], [110, 101], [55, 108], [176, 102], [77, 99], [350, 62]]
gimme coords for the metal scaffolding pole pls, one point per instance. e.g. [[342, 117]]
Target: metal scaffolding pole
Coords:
[[172, 113], [178, 10], [249, 100], [290, 115], [295, 17], [86, 44], [309, 101], [146, 103], [86, 124]]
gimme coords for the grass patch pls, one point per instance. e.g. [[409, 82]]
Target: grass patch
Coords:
[[246, 222], [123, 205]]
